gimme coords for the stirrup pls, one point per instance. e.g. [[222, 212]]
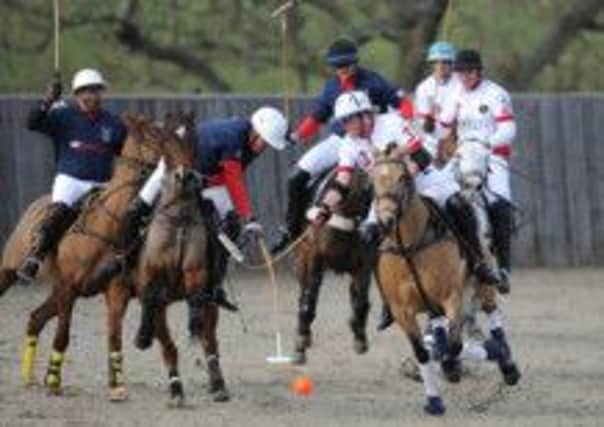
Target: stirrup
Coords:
[[29, 269], [281, 244]]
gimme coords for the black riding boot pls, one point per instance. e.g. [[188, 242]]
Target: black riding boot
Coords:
[[298, 199], [59, 217], [130, 242], [371, 239], [465, 226], [501, 215]]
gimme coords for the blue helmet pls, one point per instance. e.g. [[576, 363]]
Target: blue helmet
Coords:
[[342, 52], [441, 51]]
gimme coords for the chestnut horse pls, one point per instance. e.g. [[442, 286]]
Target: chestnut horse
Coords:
[[422, 270], [175, 264], [335, 246], [85, 247]]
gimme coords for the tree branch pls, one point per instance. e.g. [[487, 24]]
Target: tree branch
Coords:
[[578, 16]]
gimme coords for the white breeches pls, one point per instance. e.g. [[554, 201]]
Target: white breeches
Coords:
[[221, 198], [437, 184], [498, 179], [323, 156], [69, 190]]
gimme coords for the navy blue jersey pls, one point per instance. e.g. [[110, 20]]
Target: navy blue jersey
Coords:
[[222, 140], [85, 145]]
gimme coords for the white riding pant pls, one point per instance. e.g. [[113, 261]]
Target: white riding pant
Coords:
[[498, 179], [323, 156], [69, 190], [437, 184]]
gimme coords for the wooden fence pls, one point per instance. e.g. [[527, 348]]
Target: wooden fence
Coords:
[[558, 164]]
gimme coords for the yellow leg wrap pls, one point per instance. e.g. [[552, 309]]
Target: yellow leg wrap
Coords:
[[116, 366], [28, 359], [53, 374]]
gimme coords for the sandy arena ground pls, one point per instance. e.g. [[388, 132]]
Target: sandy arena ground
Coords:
[[555, 320]]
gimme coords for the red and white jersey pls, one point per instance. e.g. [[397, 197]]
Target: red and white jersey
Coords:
[[430, 96], [485, 113], [355, 153]]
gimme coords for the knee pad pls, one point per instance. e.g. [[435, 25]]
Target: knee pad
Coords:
[[298, 179]]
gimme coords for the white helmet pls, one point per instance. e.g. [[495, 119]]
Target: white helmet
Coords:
[[351, 103], [87, 77], [271, 125]]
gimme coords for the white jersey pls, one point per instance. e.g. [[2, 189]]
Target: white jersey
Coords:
[[484, 113], [431, 94], [388, 128]]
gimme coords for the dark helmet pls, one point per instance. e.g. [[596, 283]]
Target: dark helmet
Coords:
[[342, 52], [468, 59]]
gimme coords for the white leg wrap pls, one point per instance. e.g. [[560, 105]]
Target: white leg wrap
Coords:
[[430, 377], [496, 319], [473, 351], [152, 187]]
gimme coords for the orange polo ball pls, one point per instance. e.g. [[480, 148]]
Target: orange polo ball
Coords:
[[302, 386]]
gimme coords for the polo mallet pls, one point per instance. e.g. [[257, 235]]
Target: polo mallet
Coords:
[[57, 39], [281, 13], [278, 358]]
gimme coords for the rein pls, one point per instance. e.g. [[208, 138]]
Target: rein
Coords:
[[429, 236]]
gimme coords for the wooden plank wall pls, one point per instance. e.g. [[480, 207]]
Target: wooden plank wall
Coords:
[[558, 178]]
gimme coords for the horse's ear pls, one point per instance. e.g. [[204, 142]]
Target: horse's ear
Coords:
[[190, 117]]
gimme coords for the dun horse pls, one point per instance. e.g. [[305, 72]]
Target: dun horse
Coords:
[[336, 246], [175, 265], [85, 247], [421, 270]]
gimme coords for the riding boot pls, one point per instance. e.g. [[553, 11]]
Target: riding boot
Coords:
[[371, 238], [465, 226], [218, 255], [298, 199], [130, 243], [501, 215], [59, 217]]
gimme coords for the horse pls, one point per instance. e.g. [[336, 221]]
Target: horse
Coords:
[[86, 246], [175, 264], [421, 269], [335, 246]]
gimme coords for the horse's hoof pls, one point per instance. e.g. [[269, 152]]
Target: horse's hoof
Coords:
[[221, 395], [177, 394], [452, 370], [410, 370], [303, 341], [511, 374], [434, 406], [118, 394], [361, 346], [143, 341], [53, 385], [299, 358]]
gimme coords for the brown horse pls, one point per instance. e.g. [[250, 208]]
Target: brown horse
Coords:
[[335, 246], [174, 265], [85, 247], [421, 270]]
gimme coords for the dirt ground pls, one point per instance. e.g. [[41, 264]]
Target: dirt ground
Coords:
[[555, 321]]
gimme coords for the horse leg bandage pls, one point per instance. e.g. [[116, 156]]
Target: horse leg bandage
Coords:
[[496, 320], [116, 369], [430, 379], [28, 359], [53, 374]]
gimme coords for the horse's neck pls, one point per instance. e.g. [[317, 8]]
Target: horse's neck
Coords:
[[122, 188], [414, 221]]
